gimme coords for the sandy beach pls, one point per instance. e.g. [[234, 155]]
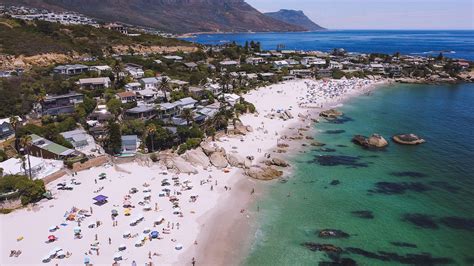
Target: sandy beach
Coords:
[[172, 217]]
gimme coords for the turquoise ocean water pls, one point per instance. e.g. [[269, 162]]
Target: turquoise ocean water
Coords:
[[404, 205]]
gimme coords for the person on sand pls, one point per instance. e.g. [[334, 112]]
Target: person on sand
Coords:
[[195, 242], [193, 262], [212, 188], [253, 191], [134, 263], [110, 241], [149, 255]]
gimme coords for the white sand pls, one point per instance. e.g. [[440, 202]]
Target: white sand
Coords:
[[33, 224]]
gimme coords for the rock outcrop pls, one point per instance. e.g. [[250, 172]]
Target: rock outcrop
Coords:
[[374, 141], [277, 162], [207, 148], [197, 157], [331, 114], [408, 139], [263, 172], [218, 159], [235, 160]]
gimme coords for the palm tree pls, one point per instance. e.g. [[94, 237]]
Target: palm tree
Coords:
[[151, 130], [188, 115], [118, 66], [25, 142], [40, 99], [14, 122], [164, 87]]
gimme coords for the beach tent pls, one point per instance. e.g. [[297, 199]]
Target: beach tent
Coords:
[[102, 176], [147, 207], [127, 204], [126, 212], [77, 230], [61, 254], [178, 247], [114, 212], [100, 200]]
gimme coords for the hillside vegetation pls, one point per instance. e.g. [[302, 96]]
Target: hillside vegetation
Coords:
[[18, 37]]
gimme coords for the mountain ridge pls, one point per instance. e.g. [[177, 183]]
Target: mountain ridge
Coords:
[[295, 17], [177, 16]]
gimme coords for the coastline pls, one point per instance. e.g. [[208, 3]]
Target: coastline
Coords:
[[217, 223], [228, 234]]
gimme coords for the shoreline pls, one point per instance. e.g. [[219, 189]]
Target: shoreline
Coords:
[[229, 235], [217, 224]]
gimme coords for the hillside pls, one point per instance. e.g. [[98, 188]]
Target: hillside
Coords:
[[180, 16], [294, 17], [40, 37]]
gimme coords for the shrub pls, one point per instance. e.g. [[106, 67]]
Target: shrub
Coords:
[[29, 190]]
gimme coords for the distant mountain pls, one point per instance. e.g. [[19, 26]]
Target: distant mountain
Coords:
[[181, 16], [294, 17]]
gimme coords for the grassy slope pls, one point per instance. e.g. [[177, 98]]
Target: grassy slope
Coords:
[[32, 38]]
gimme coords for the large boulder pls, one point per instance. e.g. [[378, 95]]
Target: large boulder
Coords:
[[331, 114], [197, 157], [277, 162], [375, 141], [236, 160], [408, 139], [207, 148], [183, 167], [218, 159], [263, 172]]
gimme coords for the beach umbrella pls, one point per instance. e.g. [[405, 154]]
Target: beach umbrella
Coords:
[[154, 234], [178, 247], [51, 238], [53, 228], [91, 225], [114, 212], [118, 256], [77, 230], [126, 212], [46, 259], [102, 174], [87, 260], [122, 247]]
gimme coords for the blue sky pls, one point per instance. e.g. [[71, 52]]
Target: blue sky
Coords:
[[380, 14]]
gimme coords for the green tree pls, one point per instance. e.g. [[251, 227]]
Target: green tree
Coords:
[[187, 114], [114, 139], [114, 106], [149, 73], [25, 142], [164, 87], [150, 131]]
